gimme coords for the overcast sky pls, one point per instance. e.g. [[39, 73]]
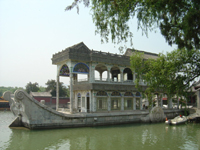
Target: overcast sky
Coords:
[[32, 31]]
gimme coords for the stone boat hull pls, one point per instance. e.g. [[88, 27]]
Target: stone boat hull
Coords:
[[34, 115]]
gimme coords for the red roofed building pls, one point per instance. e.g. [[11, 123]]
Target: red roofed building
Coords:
[[49, 100]]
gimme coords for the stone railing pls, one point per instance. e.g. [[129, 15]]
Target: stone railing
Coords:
[[105, 80]]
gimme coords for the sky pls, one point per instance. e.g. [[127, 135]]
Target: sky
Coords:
[[32, 31]]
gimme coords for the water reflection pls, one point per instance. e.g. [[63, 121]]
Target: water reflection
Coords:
[[137, 136]]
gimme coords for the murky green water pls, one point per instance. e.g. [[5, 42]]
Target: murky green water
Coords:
[[120, 137]]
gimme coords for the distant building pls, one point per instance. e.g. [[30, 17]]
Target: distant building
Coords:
[[4, 104], [49, 100]]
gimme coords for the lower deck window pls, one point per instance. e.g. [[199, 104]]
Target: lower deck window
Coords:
[[102, 103], [115, 104], [79, 102], [128, 103]]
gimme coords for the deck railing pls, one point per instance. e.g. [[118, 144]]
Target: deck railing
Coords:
[[105, 80]]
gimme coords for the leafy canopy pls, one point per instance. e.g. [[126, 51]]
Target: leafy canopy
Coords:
[[178, 20], [173, 73], [51, 86], [32, 87]]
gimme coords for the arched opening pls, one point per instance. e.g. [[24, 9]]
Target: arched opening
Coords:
[[115, 73], [128, 101], [101, 72], [115, 100], [102, 103], [128, 75], [82, 72], [64, 71]]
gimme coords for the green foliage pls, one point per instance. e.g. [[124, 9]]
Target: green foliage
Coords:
[[51, 86], [11, 89], [172, 73], [178, 20], [42, 89], [32, 87]]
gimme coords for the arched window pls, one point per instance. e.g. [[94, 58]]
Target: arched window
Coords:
[[115, 93], [128, 94], [128, 75], [101, 93], [137, 94], [64, 71], [81, 68], [88, 95]]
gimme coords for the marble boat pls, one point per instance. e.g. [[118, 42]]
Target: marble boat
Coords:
[[34, 115]]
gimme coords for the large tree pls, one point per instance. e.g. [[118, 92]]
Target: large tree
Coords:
[[51, 86], [32, 87], [173, 73], [178, 20]]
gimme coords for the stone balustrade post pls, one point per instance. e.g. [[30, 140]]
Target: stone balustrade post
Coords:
[[71, 90], [109, 102], [57, 92], [134, 103], [122, 102]]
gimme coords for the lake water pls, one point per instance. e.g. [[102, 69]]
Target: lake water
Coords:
[[119, 137]]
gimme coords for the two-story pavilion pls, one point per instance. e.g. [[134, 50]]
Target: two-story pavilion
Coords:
[[113, 90]]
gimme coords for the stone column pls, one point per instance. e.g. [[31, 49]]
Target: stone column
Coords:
[[122, 102], [57, 92], [92, 76], [161, 100], [90, 94], [94, 102], [157, 99], [177, 102], [152, 96], [71, 91], [198, 98], [134, 103], [108, 74], [133, 77], [185, 101], [100, 73], [121, 75], [109, 102], [169, 102], [141, 103]]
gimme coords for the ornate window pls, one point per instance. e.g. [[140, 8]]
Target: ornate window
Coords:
[[101, 93], [128, 94], [102, 103], [115, 103], [64, 71], [115, 93], [137, 94], [88, 95], [81, 68]]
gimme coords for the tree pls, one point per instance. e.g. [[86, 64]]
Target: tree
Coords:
[[32, 87], [51, 86], [11, 89], [178, 20], [173, 73], [42, 89]]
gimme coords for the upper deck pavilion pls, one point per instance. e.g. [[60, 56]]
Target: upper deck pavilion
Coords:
[[80, 52]]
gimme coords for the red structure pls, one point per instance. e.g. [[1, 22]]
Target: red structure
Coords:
[[49, 100]]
